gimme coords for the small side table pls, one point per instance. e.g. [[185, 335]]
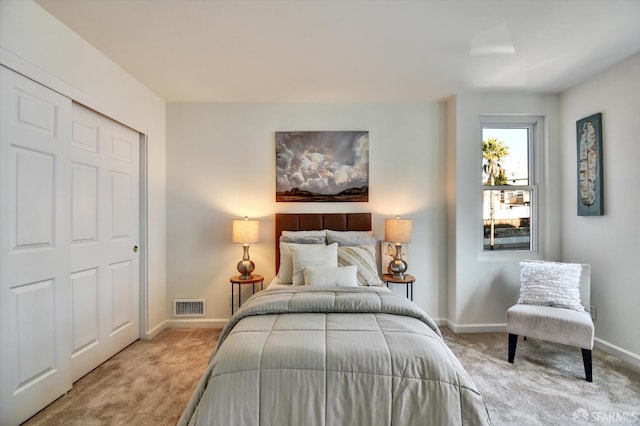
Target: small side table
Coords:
[[240, 282], [408, 280]]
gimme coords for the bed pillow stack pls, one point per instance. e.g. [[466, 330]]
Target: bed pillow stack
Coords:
[[353, 250], [312, 255], [290, 239], [357, 248]]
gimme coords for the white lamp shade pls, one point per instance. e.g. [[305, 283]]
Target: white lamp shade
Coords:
[[397, 230], [246, 231]]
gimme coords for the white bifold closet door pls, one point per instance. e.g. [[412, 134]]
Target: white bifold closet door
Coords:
[[69, 221]]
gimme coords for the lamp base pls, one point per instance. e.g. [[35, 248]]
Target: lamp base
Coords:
[[246, 267], [398, 266]]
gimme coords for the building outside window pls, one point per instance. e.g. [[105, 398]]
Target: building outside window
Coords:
[[509, 210]]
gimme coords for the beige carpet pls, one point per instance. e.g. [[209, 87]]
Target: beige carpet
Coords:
[[150, 382], [545, 385]]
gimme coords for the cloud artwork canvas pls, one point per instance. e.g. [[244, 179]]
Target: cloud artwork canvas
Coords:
[[322, 166]]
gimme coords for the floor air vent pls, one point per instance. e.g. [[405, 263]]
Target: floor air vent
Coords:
[[188, 307]]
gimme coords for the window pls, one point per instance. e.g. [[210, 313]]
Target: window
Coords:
[[509, 190]]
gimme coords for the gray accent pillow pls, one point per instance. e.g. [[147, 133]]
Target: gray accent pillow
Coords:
[[295, 234], [303, 239], [351, 238]]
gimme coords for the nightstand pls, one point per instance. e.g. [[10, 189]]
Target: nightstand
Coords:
[[240, 282], [408, 280]]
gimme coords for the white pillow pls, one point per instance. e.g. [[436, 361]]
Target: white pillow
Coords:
[[550, 284], [351, 238], [364, 257], [285, 270], [325, 276], [305, 255]]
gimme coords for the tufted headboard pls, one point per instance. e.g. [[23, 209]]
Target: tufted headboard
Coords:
[[319, 221]]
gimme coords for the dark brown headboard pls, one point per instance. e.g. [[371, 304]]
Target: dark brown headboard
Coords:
[[318, 221]]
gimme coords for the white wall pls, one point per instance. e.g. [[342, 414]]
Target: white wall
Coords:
[[209, 185], [480, 290], [221, 166], [34, 43], [610, 242]]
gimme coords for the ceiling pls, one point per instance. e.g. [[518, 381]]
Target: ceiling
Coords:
[[354, 50]]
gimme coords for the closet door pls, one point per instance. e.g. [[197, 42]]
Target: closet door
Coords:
[[69, 230], [104, 233], [35, 285]]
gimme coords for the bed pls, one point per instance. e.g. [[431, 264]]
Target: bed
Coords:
[[332, 353]]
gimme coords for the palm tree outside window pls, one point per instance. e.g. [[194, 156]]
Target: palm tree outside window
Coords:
[[507, 187]]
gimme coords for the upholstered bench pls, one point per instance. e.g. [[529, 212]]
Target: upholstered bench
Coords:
[[555, 324]]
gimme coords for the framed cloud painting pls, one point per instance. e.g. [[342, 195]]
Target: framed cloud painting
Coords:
[[330, 166]]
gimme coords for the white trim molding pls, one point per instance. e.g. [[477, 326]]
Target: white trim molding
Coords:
[[619, 352], [476, 328], [607, 347], [440, 321], [196, 323], [150, 334]]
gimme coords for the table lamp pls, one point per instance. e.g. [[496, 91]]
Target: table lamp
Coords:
[[398, 231], [246, 232]]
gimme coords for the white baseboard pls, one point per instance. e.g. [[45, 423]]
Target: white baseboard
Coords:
[[150, 334], [440, 321], [476, 328], [610, 348], [619, 352], [220, 323], [184, 323], [625, 355], [196, 323]]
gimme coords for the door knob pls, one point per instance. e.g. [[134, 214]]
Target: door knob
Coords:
[[135, 249]]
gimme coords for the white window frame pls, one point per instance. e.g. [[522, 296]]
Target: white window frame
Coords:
[[536, 147]]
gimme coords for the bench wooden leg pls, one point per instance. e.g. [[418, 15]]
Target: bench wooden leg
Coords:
[[586, 359], [513, 341]]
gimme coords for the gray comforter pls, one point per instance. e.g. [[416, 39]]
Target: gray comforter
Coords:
[[340, 356]]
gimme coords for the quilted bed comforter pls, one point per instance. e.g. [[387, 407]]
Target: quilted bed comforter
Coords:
[[333, 356]]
